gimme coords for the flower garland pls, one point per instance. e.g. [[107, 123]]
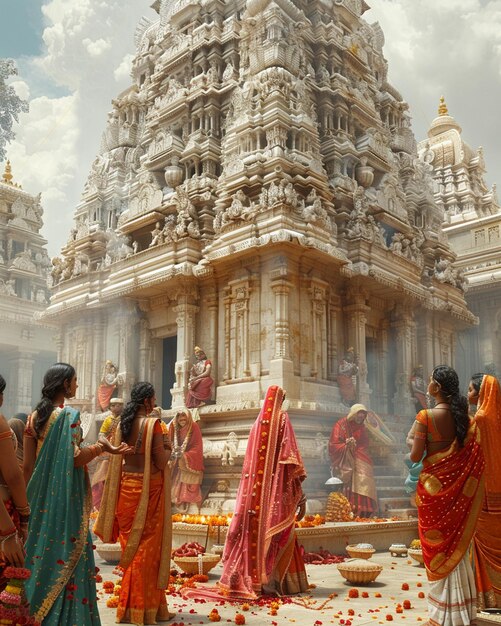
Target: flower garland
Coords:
[[177, 449], [14, 607]]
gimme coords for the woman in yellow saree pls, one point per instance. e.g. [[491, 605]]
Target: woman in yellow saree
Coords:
[[485, 392], [136, 509], [449, 496]]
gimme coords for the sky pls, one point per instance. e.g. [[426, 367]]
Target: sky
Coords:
[[74, 57]]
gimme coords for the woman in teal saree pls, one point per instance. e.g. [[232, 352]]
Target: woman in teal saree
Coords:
[[62, 588]]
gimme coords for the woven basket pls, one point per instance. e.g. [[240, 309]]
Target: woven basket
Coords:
[[190, 564], [416, 554], [359, 553], [397, 549], [109, 552], [359, 572]]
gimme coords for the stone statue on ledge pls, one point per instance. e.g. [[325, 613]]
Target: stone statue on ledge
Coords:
[[200, 382]]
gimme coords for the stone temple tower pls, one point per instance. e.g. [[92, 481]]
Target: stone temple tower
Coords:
[[257, 192]]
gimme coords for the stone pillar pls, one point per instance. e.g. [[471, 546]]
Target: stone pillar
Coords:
[[404, 328], [185, 319], [357, 316], [332, 338], [227, 334], [212, 352], [21, 392], [281, 290], [144, 349], [281, 366], [383, 364]]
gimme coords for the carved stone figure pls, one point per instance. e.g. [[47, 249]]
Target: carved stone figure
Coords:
[[111, 381], [229, 452], [157, 236], [346, 377], [200, 382]]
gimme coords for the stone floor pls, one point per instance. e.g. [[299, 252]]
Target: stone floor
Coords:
[[379, 608], [384, 596]]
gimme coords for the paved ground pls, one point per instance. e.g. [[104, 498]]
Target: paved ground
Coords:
[[379, 608]]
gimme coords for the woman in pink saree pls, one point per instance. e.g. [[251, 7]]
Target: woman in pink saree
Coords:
[[261, 552], [187, 461]]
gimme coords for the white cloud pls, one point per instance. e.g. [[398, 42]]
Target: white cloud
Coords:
[[123, 70], [89, 45], [96, 48], [450, 48]]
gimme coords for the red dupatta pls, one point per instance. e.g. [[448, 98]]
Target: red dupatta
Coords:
[[450, 493], [267, 500]]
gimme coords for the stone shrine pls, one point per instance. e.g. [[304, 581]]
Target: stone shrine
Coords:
[[472, 222], [26, 343], [258, 193]]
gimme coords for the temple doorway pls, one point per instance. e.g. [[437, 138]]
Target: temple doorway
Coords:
[[169, 355]]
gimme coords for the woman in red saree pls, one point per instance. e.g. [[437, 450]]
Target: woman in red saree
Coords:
[[485, 392], [449, 498], [136, 509], [261, 553], [187, 461], [349, 453]]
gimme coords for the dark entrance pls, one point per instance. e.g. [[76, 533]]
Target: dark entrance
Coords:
[[169, 352]]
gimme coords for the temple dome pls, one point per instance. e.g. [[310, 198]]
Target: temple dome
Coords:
[[443, 122]]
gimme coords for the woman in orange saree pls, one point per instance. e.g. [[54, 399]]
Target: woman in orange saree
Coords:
[[136, 510], [449, 497], [485, 392]]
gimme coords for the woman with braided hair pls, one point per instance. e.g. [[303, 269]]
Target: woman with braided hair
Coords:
[[62, 588], [449, 497], [136, 510]]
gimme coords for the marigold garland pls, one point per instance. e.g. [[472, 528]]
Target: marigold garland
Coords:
[[14, 607]]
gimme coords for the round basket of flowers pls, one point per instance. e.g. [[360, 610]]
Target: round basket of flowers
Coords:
[[359, 571], [360, 550]]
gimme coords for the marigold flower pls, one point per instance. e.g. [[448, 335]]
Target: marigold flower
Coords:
[[239, 619], [353, 593], [407, 604], [405, 586]]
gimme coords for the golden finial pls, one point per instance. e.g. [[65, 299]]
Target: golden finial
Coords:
[[442, 109], [354, 49], [7, 175]]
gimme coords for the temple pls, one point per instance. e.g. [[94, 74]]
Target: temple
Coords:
[[472, 223], [26, 344], [258, 193]]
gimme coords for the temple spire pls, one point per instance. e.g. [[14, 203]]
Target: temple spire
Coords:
[[442, 109], [7, 175]]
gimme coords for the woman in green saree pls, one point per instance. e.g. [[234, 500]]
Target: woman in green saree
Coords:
[[62, 588]]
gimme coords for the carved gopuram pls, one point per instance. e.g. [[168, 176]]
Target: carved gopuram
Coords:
[[472, 222], [26, 343], [258, 193]]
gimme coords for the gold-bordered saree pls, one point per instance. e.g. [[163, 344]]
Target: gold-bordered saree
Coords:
[[136, 509], [62, 588]]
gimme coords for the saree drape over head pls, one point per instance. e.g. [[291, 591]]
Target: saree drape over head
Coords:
[[449, 497], [62, 588], [136, 510], [354, 465], [187, 461], [487, 538], [261, 551]]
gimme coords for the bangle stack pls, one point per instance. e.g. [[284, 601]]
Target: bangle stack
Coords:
[[4, 538]]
